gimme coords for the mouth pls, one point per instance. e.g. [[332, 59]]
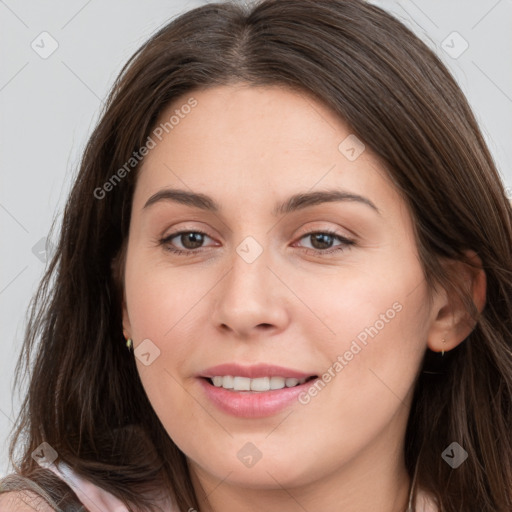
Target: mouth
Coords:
[[256, 390], [241, 384], [254, 398]]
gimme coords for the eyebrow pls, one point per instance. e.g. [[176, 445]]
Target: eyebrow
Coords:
[[296, 202]]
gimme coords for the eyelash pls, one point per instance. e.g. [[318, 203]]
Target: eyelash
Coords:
[[346, 243]]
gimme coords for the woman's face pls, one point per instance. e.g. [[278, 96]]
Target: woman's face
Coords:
[[307, 262]]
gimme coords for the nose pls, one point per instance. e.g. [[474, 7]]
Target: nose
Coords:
[[251, 300]]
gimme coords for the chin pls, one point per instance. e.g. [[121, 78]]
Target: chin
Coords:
[[269, 474]]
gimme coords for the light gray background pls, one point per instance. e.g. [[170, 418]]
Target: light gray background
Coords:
[[49, 107]]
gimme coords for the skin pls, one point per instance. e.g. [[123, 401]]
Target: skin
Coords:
[[249, 147]]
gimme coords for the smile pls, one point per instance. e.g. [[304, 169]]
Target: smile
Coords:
[[261, 384], [242, 402]]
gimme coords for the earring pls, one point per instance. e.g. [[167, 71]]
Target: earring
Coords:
[[129, 343], [442, 351]]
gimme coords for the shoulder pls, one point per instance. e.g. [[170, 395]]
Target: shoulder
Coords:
[[23, 501]]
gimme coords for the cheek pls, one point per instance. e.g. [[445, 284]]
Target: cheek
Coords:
[[159, 302], [160, 298], [371, 333], [380, 306]]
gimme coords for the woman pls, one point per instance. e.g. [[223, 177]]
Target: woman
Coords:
[[283, 281]]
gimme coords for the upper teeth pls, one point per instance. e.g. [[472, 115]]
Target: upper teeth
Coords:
[[259, 384]]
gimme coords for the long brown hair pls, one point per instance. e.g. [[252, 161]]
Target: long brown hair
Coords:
[[85, 397]]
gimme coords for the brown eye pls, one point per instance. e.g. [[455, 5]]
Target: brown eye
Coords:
[[191, 240], [322, 242], [184, 242]]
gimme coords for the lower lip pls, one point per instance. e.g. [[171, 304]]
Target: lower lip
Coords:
[[247, 404]]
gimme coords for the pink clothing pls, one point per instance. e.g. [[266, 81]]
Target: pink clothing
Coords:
[[96, 499], [424, 503]]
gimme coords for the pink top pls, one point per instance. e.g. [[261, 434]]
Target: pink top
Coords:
[[96, 499], [424, 502]]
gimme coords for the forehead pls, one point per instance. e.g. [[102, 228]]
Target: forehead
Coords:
[[254, 141], [256, 120]]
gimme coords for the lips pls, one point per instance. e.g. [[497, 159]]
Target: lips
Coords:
[[247, 398], [254, 371]]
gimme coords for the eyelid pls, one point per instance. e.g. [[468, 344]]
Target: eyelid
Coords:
[[186, 228], [308, 230], [345, 242], [167, 238], [303, 231]]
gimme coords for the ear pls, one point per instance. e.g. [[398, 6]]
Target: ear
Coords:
[[117, 267], [452, 321], [127, 330]]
